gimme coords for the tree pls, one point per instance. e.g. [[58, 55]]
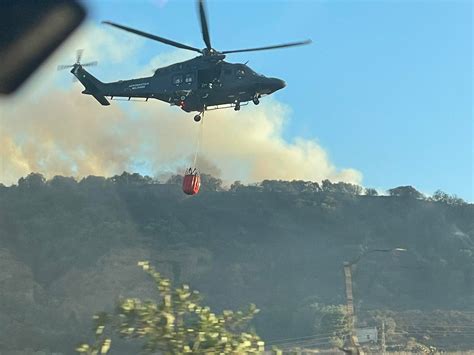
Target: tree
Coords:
[[278, 186], [176, 324], [62, 182], [236, 186], [341, 187], [92, 181], [210, 183], [132, 179], [326, 185], [347, 188], [406, 192], [371, 192], [440, 196], [333, 322], [32, 181], [175, 180]]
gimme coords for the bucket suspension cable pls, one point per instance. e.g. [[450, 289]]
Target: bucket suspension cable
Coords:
[[198, 142], [192, 179]]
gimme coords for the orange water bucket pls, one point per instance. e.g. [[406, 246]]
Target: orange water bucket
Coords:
[[191, 182]]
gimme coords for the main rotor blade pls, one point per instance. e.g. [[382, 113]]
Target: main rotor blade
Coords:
[[269, 47], [61, 67], [79, 53], [90, 64], [204, 27], [153, 37]]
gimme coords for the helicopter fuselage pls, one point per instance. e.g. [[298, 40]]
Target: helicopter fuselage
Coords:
[[194, 85]]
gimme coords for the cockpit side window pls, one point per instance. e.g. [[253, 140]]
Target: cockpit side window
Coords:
[[188, 79], [207, 76], [240, 73], [177, 79]]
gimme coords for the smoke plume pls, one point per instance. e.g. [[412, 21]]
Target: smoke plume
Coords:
[[53, 129]]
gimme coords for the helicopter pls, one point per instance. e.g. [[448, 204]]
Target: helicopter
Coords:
[[203, 83]]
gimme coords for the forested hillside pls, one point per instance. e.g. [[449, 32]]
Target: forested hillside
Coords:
[[69, 249]]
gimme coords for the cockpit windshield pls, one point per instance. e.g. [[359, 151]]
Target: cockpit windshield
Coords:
[[250, 71]]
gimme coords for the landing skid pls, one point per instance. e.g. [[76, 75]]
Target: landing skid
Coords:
[[121, 98], [220, 107]]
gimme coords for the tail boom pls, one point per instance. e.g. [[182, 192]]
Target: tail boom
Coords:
[[93, 86], [124, 88]]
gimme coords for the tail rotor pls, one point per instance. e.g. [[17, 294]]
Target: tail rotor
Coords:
[[79, 53]]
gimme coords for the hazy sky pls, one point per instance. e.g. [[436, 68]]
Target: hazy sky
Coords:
[[386, 87]]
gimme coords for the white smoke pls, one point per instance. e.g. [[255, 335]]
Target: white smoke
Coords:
[[52, 128]]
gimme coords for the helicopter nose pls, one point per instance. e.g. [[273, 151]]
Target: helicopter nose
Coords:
[[276, 84]]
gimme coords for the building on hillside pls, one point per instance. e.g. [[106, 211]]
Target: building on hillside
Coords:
[[367, 335]]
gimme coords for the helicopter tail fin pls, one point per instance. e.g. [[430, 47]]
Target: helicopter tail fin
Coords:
[[93, 85]]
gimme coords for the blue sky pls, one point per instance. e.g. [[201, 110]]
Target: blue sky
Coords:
[[386, 86]]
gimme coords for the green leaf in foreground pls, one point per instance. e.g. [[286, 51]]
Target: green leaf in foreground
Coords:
[[175, 323]]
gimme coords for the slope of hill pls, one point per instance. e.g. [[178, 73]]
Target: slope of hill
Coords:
[[69, 249]]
